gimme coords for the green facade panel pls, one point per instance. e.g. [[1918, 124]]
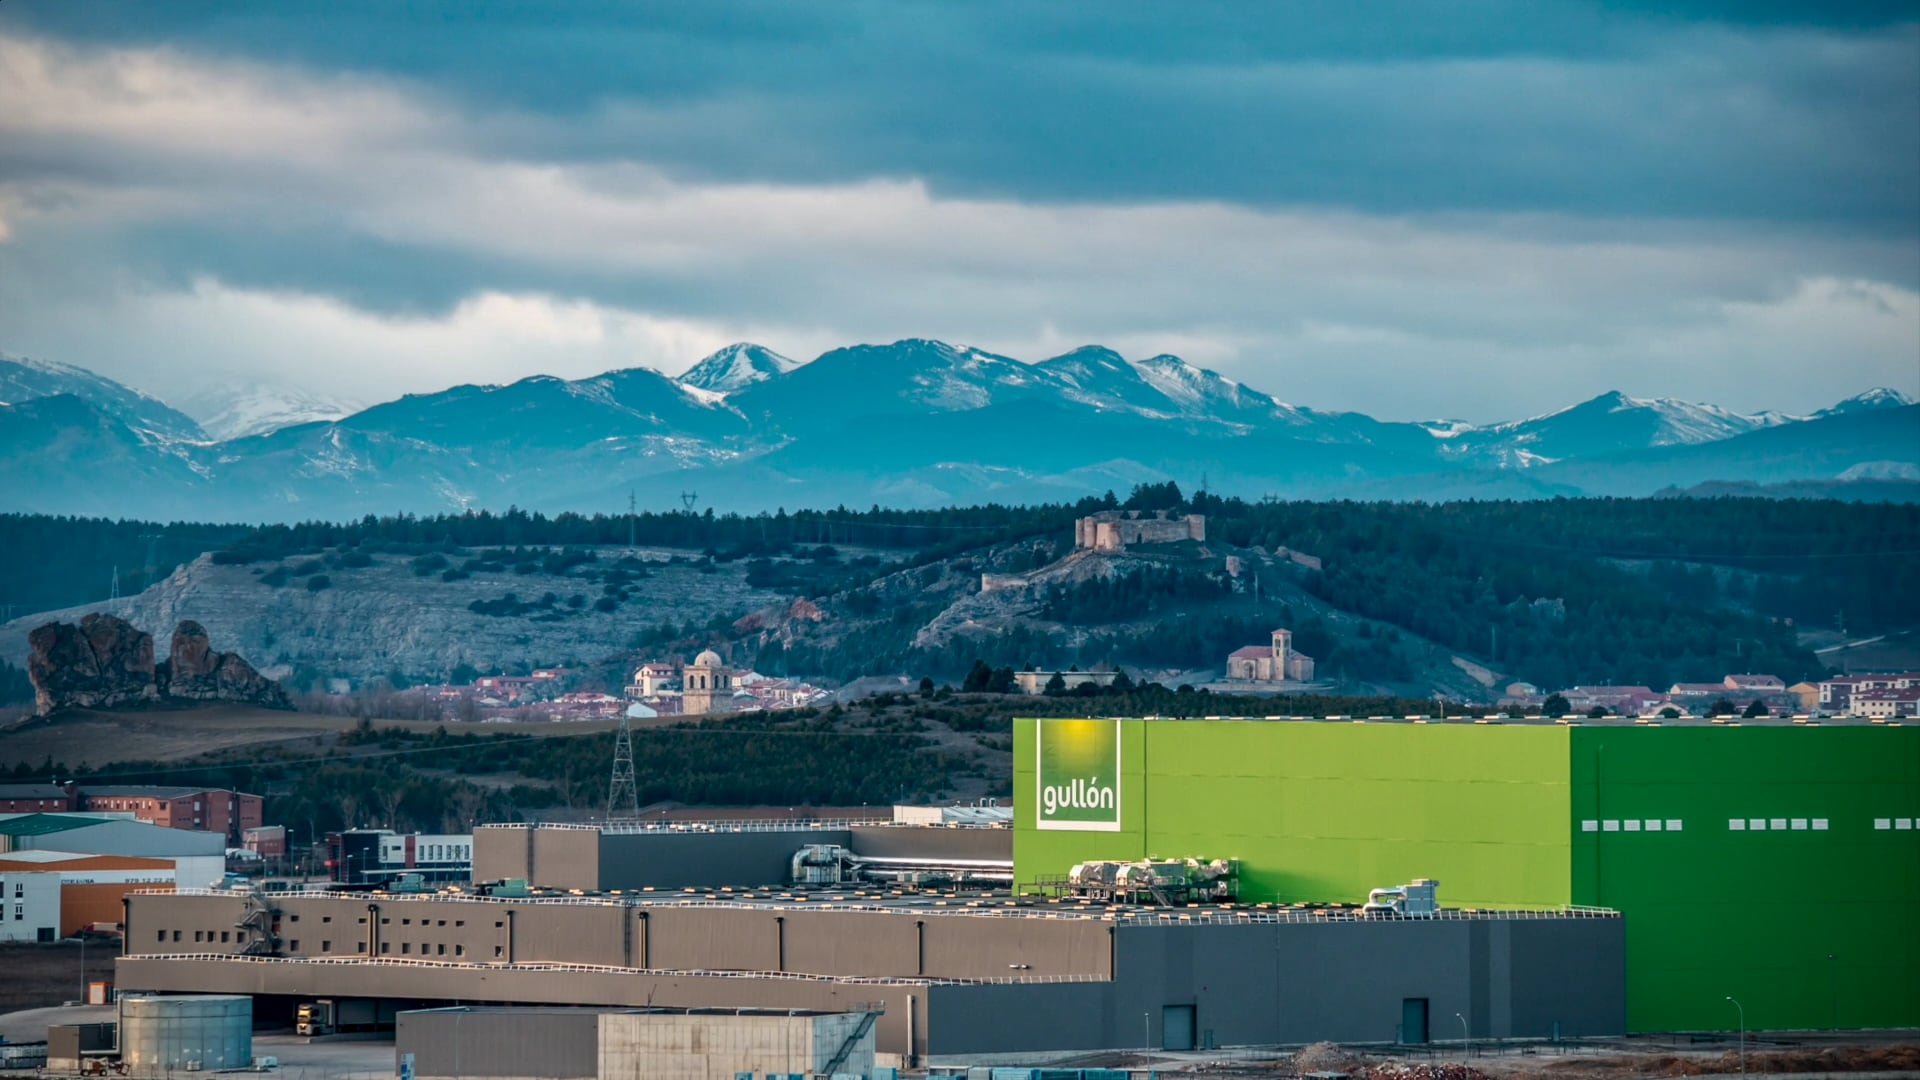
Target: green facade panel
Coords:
[[1810, 920], [1807, 914]]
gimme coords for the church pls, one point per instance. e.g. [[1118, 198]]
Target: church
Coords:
[[1274, 663]]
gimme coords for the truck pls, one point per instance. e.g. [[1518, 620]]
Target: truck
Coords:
[[329, 1016]]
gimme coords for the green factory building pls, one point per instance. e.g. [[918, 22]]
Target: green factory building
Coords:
[[1774, 863]]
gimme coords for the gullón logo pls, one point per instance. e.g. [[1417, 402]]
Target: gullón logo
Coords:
[[1079, 775]]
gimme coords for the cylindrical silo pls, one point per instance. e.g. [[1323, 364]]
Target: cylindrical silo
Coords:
[[174, 1033]]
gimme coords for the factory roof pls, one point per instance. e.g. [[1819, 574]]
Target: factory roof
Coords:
[[42, 824], [144, 791], [984, 903]]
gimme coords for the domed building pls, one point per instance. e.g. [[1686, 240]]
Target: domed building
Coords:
[[706, 686]]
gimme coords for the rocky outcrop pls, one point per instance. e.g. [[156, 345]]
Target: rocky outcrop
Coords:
[[195, 672], [103, 662], [106, 662]]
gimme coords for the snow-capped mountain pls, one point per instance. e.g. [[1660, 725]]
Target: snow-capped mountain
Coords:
[[914, 422], [1610, 423], [235, 411], [23, 380], [1880, 397], [737, 367]]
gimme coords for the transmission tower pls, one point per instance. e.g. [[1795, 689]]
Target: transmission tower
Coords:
[[623, 795], [632, 517], [152, 569], [688, 498], [113, 591]]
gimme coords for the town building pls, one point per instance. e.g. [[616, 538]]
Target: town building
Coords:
[[39, 798], [1036, 682], [1276, 662], [1766, 684], [1885, 704], [1116, 530], [1618, 700], [215, 810], [654, 679], [706, 686], [266, 841], [1836, 694]]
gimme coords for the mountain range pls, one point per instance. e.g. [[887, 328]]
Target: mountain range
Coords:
[[913, 423]]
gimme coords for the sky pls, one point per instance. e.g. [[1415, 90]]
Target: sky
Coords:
[[1477, 209]]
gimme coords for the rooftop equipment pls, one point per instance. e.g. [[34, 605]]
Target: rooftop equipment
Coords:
[[1412, 900]]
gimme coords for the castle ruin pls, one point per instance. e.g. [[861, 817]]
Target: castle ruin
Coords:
[[1114, 530]]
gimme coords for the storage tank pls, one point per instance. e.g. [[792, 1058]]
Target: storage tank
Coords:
[[171, 1033]]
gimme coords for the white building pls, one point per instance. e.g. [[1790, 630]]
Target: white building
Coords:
[[29, 906]]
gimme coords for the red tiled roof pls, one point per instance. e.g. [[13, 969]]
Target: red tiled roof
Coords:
[[1252, 652]]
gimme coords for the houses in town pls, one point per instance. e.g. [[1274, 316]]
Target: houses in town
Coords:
[[1877, 696]]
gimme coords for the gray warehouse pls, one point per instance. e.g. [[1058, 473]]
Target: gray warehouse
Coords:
[[953, 975]]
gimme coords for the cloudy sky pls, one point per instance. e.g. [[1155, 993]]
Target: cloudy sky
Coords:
[[1477, 209]]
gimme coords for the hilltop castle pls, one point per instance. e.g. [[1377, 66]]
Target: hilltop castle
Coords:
[[1113, 530]]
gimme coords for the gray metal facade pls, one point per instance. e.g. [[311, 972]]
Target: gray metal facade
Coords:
[[573, 857], [1249, 980], [554, 1044]]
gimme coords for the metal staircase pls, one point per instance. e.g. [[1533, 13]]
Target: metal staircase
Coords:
[[871, 1012]]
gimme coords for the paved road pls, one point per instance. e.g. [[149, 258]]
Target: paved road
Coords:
[[345, 1057]]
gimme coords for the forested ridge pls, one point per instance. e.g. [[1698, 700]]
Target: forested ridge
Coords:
[[1557, 592]]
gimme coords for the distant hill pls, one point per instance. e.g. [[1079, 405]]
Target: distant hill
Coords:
[[915, 423]]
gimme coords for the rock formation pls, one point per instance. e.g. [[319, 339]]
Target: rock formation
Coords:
[[103, 662], [106, 662], [195, 672]]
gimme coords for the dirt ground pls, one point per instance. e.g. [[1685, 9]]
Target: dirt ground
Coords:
[[96, 738], [38, 976]]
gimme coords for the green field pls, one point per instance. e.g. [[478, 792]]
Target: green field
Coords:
[[1806, 926]]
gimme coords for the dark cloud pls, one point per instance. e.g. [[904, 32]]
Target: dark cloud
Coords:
[[1740, 109]]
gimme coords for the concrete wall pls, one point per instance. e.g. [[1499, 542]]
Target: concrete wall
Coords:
[[553, 1044]]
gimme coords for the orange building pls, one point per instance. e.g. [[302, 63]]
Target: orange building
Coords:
[[92, 886], [213, 810]]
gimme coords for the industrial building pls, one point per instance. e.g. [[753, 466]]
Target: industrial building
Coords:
[[1773, 862], [953, 975], [199, 858], [229, 813], [673, 855], [382, 856], [656, 1043], [76, 892], [29, 904]]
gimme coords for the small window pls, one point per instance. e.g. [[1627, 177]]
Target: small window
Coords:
[[498, 924], [326, 918], [162, 937], [294, 945], [325, 945], [386, 921], [226, 936], [459, 950], [359, 946], [406, 922], [498, 952], [386, 946], [196, 935], [459, 922], [443, 922], [293, 918], [19, 889], [176, 935], [406, 947], [441, 949]]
